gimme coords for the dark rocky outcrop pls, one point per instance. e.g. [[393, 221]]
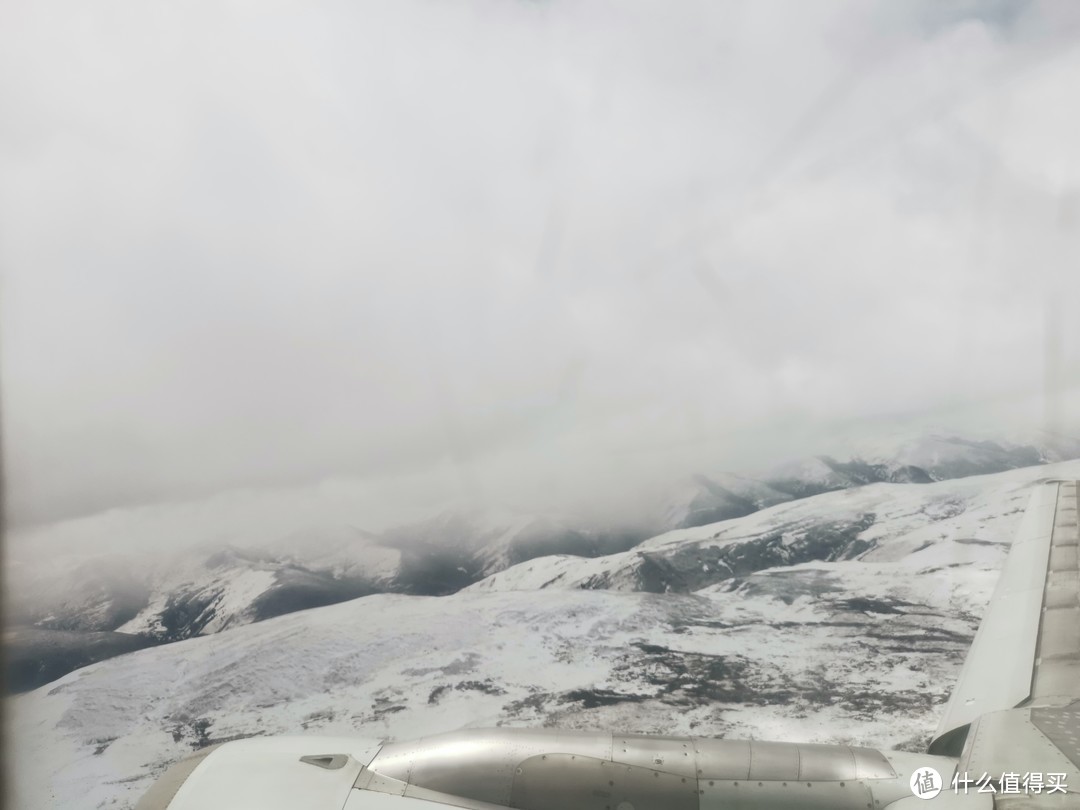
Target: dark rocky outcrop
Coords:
[[35, 655]]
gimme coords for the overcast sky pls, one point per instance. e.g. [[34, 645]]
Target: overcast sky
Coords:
[[502, 244]]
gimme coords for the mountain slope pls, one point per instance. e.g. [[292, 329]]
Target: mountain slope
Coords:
[[169, 572], [858, 649], [876, 523], [915, 459]]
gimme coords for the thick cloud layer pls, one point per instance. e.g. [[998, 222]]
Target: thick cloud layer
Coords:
[[516, 249]]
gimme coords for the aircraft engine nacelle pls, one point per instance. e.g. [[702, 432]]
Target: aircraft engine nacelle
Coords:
[[494, 769]]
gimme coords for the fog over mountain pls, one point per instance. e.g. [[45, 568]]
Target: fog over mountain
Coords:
[[91, 588], [526, 253]]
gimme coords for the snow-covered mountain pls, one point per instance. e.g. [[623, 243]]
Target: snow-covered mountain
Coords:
[[455, 549], [844, 617], [171, 595], [113, 582], [919, 459], [156, 574], [718, 496], [864, 523]]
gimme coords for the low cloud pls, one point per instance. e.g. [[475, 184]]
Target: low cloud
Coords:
[[519, 247]]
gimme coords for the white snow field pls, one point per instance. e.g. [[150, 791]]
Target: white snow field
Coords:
[[861, 646]]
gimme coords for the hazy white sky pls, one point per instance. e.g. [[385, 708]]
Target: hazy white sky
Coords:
[[516, 246]]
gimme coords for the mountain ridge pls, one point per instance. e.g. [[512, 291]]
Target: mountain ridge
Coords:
[[249, 569]]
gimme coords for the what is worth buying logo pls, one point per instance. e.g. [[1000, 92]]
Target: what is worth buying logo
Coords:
[[925, 783]]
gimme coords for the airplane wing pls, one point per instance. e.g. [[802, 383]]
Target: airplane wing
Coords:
[[1016, 707], [263, 772], [545, 769]]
